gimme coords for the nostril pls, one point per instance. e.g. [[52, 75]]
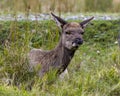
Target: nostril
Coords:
[[78, 41]]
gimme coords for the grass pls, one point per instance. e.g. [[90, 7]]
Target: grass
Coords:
[[94, 71], [11, 91], [39, 6]]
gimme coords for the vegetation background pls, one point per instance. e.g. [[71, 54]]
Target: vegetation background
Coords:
[[43, 6], [95, 69]]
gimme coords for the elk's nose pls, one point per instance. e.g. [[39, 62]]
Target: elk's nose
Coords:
[[78, 41]]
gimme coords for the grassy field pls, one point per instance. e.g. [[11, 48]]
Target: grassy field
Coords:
[[94, 71]]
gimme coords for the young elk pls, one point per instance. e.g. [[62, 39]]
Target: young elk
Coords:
[[60, 57]]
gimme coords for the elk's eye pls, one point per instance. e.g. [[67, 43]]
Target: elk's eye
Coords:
[[68, 32]]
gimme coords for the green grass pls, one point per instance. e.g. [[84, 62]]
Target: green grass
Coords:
[[11, 91], [94, 70]]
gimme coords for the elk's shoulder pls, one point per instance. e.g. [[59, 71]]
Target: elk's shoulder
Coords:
[[35, 56]]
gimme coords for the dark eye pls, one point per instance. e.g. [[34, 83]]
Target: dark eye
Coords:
[[68, 32]]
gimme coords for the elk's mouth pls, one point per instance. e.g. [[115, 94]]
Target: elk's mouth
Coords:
[[77, 42], [75, 45]]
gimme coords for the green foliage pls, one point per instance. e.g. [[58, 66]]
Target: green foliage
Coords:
[[41, 32], [45, 32], [11, 91], [94, 71], [102, 32]]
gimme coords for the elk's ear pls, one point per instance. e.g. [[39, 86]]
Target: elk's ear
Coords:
[[85, 22], [59, 21]]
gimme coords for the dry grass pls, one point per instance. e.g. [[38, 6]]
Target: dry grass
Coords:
[[59, 5]]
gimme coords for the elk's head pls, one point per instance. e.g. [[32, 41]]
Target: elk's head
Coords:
[[72, 32]]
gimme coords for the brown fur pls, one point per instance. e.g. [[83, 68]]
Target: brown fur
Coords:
[[60, 57]]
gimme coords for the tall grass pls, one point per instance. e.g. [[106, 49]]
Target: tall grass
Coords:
[[94, 71], [46, 6]]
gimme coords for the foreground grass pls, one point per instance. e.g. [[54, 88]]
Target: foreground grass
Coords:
[[11, 91], [94, 71]]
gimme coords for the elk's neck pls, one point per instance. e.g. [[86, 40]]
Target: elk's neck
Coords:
[[64, 51], [64, 55]]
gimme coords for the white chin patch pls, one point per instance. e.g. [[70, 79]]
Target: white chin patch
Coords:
[[74, 44]]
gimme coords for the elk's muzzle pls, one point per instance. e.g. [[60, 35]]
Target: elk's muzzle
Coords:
[[77, 42]]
